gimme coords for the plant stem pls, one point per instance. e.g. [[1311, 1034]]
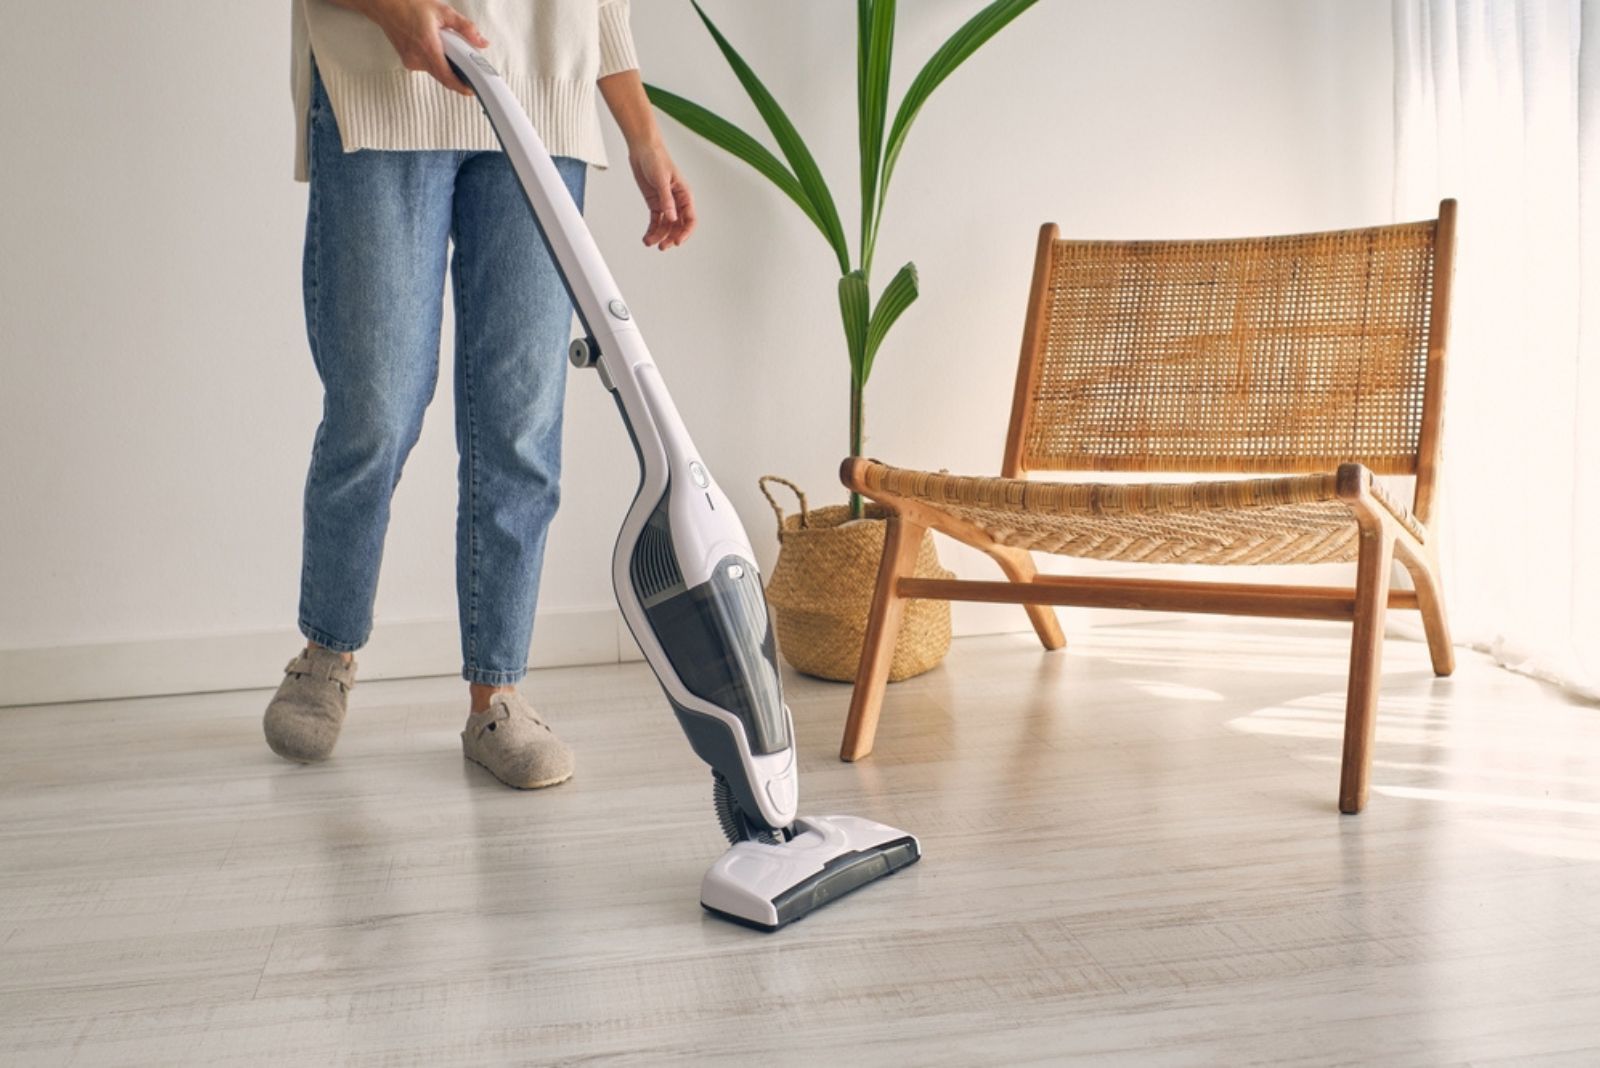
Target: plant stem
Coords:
[[857, 506]]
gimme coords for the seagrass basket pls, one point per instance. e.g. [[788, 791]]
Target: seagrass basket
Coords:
[[821, 592]]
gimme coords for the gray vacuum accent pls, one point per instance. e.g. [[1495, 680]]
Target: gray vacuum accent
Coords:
[[717, 635], [719, 639], [712, 741], [654, 566], [844, 874]]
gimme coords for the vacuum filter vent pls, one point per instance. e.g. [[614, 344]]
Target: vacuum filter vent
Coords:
[[655, 566]]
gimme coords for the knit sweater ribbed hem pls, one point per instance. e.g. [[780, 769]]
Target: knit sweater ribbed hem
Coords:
[[404, 110], [394, 109]]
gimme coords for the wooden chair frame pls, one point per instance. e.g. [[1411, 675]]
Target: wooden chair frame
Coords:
[[1383, 540]]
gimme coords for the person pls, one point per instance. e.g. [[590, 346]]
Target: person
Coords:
[[405, 174]]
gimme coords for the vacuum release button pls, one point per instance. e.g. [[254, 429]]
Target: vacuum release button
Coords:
[[783, 793], [697, 472], [620, 310]]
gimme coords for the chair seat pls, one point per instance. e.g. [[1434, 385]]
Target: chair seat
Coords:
[[1295, 519]]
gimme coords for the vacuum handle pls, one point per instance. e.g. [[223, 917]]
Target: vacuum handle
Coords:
[[594, 291]]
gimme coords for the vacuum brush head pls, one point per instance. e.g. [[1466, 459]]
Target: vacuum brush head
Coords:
[[769, 886]]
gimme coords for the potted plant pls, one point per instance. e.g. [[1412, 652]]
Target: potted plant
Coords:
[[821, 588]]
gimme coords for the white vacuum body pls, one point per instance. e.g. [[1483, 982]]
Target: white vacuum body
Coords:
[[688, 586]]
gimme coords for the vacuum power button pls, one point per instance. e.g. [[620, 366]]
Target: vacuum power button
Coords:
[[619, 309]]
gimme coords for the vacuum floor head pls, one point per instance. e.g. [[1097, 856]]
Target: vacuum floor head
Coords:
[[768, 886]]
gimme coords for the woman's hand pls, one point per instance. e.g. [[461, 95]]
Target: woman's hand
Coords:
[[665, 193], [413, 26]]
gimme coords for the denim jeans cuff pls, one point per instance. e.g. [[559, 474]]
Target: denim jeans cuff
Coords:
[[492, 678], [328, 641]]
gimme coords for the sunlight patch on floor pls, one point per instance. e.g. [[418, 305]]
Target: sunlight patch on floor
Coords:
[[1479, 799], [1172, 691]]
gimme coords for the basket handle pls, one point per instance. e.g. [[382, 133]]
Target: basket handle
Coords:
[[805, 513]]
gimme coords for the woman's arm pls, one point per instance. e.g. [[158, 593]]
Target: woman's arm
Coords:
[[413, 26], [671, 203]]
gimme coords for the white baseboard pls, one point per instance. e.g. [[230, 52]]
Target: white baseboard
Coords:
[[420, 648], [255, 659]]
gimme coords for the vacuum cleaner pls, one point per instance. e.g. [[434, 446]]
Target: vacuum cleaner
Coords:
[[688, 586]]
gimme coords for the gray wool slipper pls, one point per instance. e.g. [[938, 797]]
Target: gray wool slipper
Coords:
[[515, 745], [303, 718]]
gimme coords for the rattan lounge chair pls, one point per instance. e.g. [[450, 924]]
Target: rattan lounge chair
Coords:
[[1317, 359]]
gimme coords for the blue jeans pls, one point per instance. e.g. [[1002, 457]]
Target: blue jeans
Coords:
[[378, 230]]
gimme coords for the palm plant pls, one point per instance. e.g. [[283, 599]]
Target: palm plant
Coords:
[[866, 323]]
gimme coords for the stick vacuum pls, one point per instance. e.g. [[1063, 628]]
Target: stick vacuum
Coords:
[[687, 583]]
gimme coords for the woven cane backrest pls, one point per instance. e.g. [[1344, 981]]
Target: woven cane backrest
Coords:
[[1278, 354]]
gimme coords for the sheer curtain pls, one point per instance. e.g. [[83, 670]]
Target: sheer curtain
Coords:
[[1497, 103]]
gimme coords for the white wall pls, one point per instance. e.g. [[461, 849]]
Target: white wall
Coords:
[[157, 400]]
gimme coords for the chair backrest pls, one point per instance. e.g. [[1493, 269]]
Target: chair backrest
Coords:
[[1272, 354]]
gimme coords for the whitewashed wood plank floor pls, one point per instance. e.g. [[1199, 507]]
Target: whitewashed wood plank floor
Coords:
[[1132, 856]]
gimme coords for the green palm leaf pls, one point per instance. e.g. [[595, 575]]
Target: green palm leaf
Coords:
[[875, 48], [897, 296], [954, 52], [730, 138], [863, 40], [855, 304], [799, 177], [790, 143]]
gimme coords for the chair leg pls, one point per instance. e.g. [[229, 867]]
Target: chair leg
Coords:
[[1366, 655], [1019, 567], [900, 545], [1430, 601]]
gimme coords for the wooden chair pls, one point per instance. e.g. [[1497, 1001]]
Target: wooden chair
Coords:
[[1317, 358]]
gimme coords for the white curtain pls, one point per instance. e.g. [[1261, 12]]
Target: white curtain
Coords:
[[1497, 103]]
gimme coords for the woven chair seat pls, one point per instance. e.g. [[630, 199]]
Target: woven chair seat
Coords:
[[1297, 519]]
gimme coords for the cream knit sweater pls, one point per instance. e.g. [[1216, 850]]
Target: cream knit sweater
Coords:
[[549, 51]]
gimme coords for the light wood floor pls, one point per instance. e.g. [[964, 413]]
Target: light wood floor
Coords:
[[1132, 856]]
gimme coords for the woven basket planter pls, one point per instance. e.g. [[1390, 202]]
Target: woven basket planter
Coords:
[[821, 592]]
